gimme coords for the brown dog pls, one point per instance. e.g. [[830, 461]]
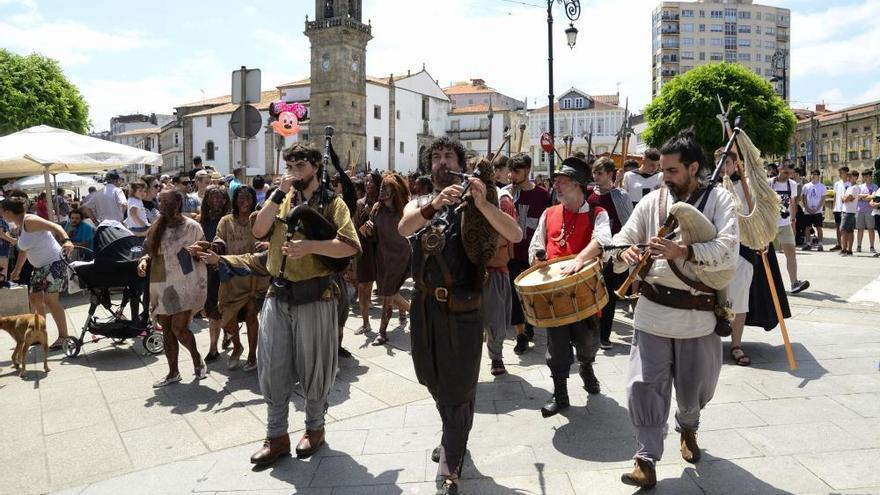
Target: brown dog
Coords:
[[26, 330]]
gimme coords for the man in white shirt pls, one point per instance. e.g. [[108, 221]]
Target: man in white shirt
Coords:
[[674, 342], [786, 188], [839, 189], [638, 183], [814, 210], [864, 214], [848, 218], [109, 203]]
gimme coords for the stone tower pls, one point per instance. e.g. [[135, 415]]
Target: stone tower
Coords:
[[338, 78]]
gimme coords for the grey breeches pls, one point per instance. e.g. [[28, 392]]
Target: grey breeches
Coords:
[[497, 300], [298, 344], [655, 364]]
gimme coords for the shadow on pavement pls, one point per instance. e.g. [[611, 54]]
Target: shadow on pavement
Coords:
[[716, 475], [808, 368], [333, 469]]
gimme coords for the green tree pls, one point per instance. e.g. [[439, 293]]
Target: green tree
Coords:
[[34, 91], [691, 99]]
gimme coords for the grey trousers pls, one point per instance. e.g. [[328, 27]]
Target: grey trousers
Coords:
[[457, 423], [655, 364], [297, 344], [496, 311], [583, 335]]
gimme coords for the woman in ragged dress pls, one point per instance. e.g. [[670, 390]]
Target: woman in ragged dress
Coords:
[[178, 282], [392, 249], [215, 205]]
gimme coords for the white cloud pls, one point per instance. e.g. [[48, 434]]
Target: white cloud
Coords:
[[836, 40]]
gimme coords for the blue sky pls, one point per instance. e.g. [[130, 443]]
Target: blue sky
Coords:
[[147, 57]]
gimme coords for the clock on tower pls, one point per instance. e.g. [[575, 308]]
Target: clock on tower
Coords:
[[338, 78]]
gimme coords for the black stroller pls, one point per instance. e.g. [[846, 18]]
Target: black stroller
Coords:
[[115, 267]]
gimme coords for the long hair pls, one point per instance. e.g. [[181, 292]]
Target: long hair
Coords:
[[157, 230], [398, 189], [205, 208], [244, 190]]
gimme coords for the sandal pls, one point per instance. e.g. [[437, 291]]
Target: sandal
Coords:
[[741, 358], [56, 346], [402, 318], [363, 329], [167, 381], [202, 371], [380, 340], [212, 356], [227, 341]]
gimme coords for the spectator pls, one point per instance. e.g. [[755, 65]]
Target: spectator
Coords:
[[260, 187], [183, 184], [840, 188], [850, 209], [81, 233], [217, 180], [5, 248], [814, 210], [237, 180], [359, 188], [214, 207], [786, 188], [89, 195], [875, 203], [151, 203], [136, 221], [38, 244], [864, 217], [197, 166], [42, 206], [177, 282], [165, 181], [62, 207], [109, 203]]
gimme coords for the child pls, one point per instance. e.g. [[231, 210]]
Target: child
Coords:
[[848, 222], [137, 219]]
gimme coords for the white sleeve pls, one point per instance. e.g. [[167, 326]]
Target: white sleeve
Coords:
[[794, 190], [721, 252], [539, 240], [120, 198], [602, 229]]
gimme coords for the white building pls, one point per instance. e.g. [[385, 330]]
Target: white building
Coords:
[[480, 114], [577, 114], [144, 138], [689, 34], [404, 114]]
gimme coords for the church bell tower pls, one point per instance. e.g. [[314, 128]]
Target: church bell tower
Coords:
[[338, 78]]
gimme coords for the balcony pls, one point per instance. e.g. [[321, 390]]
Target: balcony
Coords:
[[338, 22], [468, 134], [669, 16]]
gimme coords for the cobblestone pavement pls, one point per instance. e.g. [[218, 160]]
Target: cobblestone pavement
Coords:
[[94, 425]]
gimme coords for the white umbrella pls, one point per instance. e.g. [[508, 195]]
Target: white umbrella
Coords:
[[63, 179], [43, 150]]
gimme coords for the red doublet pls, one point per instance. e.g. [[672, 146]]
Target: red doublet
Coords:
[[578, 230]]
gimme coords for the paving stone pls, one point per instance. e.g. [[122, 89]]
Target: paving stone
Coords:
[[779, 440], [725, 416], [481, 462], [375, 469], [347, 401], [24, 466], [162, 443], [422, 415], [232, 471], [799, 410], [390, 389], [671, 480], [177, 478], [556, 484], [737, 391], [425, 488], [850, 471], [226, 426], [866, 430], [866, 405], [393, 417], [87, 454], [139, 413], [759, 476], [383, 441]]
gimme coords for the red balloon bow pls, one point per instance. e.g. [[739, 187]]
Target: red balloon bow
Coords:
[[287, 117]]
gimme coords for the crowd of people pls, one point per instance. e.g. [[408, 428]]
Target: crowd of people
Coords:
[[237, 253]]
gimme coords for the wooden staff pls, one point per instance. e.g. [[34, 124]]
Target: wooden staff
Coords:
[[522, 133], [501, 148]]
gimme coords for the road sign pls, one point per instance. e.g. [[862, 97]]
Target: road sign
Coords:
[[251, 86], [547, 142], [252, 121]]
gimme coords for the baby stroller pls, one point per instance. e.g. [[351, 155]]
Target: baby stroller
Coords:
[[116, 257]]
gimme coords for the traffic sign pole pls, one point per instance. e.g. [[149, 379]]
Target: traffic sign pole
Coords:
[[244, 140]]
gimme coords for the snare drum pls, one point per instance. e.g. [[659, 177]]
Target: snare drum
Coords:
[[551, 300]]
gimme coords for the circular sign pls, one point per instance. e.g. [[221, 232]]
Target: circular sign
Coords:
[[250, 125], [547, 142]]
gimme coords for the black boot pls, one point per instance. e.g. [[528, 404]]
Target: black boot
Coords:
[[522, 344], [591, 383], [559, 401]]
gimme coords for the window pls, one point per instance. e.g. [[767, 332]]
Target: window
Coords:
[[208, 121], [687, 13], [757, 29], [717, 14], [176, 138], [600, 127], [702, 28], [867, 129], [730, 29], [745, 57], [687, 55], [401, 147], [866, 154], [744, 28], [566, 103], [702, 55], [454, 125], [484, 124], [758, 16], [717, 42], [744, 42], [770, 30], [730, 43], [758, 71], [425, 108], [730, 56], [835, 157], [687, 28], [716, 57], [702, 41], [853, 155], [398, 115], [824, 135], [377, 143], [687, 42], [579, 102], [770, 45], [745, 14], [702, 13], [730, 13], [209, 151], [377, 111]]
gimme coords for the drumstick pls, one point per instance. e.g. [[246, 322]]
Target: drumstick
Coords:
[[645, 260]]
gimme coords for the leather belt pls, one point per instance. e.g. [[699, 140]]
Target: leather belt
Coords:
[[676, 298], [299, 293]]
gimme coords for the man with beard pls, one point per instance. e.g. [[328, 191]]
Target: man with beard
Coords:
[[673, 339], [575, 228], [638, 183], [298, 340], [80, 233], [447, 315], [530, 202]]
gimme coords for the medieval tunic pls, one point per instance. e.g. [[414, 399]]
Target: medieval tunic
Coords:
[[178, 283], [446, 345], [581, 228], [209, 228], [392, 252], [497, 292], [366, 262], [298, 342], [238, 292], [670, 345]]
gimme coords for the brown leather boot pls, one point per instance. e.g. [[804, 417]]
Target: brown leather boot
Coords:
[[643, 475], [690, 451], [272, 449], [310, 442]]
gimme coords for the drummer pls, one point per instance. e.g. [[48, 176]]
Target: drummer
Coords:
[[571, 227]]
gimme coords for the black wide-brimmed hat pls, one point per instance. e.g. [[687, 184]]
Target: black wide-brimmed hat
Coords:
[[577, 170]]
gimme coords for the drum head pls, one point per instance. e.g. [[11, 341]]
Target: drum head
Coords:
[[550, 273]]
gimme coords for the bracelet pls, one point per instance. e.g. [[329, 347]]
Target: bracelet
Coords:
[[428, 211], [278, 196]]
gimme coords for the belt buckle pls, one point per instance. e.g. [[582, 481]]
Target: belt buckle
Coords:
[[441, 294]]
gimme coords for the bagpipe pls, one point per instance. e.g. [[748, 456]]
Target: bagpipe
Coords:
[[313, 223]]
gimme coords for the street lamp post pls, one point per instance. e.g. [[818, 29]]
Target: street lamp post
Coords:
[[780, 64], [573, 12]]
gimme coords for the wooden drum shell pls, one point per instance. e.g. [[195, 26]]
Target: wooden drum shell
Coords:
[[560, 301]]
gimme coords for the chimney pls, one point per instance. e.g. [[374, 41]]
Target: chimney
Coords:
[[479, 83], [820, 108]]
